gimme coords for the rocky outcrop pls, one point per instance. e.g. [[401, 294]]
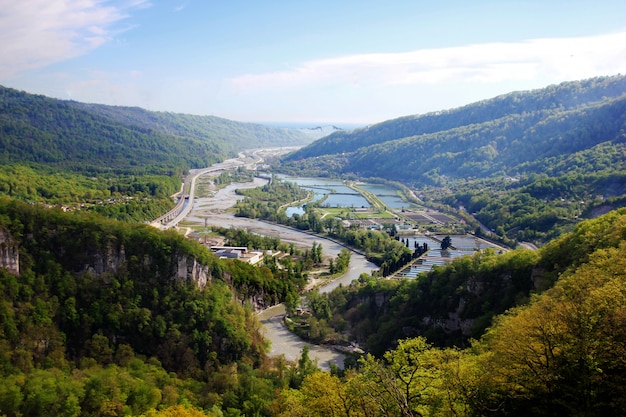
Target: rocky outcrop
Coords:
[[110, 260], [190, 270], [113, 259], [9, 253]]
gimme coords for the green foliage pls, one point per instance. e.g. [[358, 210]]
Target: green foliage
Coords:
[[473, 289], [268, 202], [528, 165], [90, 138], [260, 283], [121, 197], [538, 207], [342, 263], [562, 353], [573, 249], [100, 321]]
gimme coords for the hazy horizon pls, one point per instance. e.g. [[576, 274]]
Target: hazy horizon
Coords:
[[359, 62]]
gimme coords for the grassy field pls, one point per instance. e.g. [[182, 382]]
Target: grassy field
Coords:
[[354, 214]]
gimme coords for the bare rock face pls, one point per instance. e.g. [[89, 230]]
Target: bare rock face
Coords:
[[189, 269], [9, 253], [182, 267], [109, 260]]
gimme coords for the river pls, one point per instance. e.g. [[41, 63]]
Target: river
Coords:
[[212, 211]]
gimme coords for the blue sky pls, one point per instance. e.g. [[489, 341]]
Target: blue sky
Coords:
[[343, 62]]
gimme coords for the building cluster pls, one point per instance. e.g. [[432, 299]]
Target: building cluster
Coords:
[[240, 253]]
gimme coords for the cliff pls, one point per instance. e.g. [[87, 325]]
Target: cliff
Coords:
[[111, 260], [43, 241], [9, 253]]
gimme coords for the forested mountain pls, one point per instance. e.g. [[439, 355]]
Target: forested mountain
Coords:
[[555, 121], [96, 138], [99, 317], [528, 165], [233, 136], [105, 318], [559, 354]]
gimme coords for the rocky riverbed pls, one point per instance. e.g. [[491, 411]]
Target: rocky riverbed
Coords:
[[213, 211]]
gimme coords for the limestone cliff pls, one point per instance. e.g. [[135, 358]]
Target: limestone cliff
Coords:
[[190, 269], [112, 259], [9, 253]]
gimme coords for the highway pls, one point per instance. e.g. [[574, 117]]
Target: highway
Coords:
[[187, 191]]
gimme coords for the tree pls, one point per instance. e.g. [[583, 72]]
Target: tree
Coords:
[[318, 303], [304, 368], [325, 395], [177, 411], [406, 383], [343, 260], [50, 393], [446, 243], [564, 354]]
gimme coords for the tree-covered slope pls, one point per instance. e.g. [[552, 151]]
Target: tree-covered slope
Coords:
[[99, 317], [125, 281], [533, 142], [81, 137], [560, 354], [36, 129], [232, 136], [547, 101], [451, 304]]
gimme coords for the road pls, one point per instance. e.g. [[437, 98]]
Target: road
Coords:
[[188, 189], [214, 211]]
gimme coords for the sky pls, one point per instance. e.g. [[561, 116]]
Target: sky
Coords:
[[347, 62]]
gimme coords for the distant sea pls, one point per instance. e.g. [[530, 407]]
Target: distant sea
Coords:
[[313, 125]]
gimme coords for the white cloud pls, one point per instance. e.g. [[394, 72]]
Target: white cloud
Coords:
[[36, 33], [557, 58]]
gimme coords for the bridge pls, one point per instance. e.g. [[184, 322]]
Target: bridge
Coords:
[[173, 213], [187, 194]]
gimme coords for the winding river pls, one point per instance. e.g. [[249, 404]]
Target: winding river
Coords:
[[211, 211]]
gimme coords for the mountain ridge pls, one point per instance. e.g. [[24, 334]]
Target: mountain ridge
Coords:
[[529, 170], [92, 137], [564, 96]]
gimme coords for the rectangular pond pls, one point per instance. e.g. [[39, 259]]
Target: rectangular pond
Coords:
[[340, 195], [336, 192], [463, 245], [388, 195]]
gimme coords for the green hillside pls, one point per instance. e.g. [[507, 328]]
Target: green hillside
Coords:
[[559, 352], [94, 138], [512, 145], [122, 162], [99, 317], [230, 135], [99, 321], [450, 305], [528, 165], [523, 109]]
